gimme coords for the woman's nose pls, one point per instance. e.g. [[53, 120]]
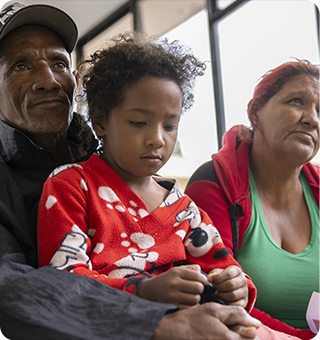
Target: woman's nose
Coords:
[[311, 118]]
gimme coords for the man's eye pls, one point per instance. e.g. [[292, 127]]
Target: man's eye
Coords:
[[60, 65], [20, 67], [138, 124]]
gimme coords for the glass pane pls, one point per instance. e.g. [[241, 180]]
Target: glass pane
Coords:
[[197, 138], [122, 25], [161, 16], [258, 37]]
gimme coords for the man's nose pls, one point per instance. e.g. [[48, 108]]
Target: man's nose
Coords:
[[45, 79]]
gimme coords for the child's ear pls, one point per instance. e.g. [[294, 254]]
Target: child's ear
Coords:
[[77, 79], [99, 127]]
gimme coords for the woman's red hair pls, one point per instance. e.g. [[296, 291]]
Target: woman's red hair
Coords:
[[272, 81]]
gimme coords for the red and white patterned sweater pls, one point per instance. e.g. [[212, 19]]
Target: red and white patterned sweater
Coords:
[[91, 223]]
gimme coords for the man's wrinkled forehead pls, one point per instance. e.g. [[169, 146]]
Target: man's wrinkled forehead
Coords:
[[13, 42]]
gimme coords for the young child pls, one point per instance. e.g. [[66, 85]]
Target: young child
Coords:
[[111, 218]]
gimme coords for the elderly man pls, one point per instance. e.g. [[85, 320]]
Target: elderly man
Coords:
[[38, 131]]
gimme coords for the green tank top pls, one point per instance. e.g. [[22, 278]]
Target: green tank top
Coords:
[[284, 281]]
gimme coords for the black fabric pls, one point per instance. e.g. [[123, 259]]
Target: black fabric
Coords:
[[51, 304], [236, 212], [206, 172], [46, 303]]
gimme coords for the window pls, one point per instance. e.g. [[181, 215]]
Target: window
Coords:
[[260, 36], [257, 37], [197, 138], [98, 42], [159, 17]]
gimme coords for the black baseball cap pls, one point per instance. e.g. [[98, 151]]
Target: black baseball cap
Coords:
[[16, 15]]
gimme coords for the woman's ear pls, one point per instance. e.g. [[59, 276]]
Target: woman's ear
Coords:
[[254, 119]]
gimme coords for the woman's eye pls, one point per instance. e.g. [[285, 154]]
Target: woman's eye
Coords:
[[138, 124], [296, 100]]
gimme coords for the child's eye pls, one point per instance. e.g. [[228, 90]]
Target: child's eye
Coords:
[[170, 127], [138, 124]]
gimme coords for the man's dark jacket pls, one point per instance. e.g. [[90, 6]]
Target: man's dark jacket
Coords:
[[46, 303]]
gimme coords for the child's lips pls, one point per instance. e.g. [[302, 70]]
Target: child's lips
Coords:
[[151, 156], [151, 159]]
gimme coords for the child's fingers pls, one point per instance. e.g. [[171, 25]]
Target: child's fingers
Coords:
[[183, 300], [194, 267], [233, 295], [191, 273], [233, 284], [237, 297], [191, 287], [217, 276]]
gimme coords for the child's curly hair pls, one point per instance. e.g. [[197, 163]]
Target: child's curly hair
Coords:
[[108, 72]]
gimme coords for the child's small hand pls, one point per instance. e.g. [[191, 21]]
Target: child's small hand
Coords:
[[180, 286], [231, 285]]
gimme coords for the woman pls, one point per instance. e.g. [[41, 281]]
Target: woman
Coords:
[[262, 194]]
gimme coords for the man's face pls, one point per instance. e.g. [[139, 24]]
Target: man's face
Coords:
[[36, 82]]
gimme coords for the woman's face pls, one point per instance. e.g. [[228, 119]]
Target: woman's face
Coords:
[[289, 121]]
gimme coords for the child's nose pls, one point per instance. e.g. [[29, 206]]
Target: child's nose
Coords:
[[156, 138]]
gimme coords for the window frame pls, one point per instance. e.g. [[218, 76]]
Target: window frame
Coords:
[[215, 15]]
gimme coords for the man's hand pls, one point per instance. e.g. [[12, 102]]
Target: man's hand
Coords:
[[180, 286], [210, 321], [231, 285]]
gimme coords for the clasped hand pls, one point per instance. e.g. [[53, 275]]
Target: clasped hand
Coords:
[[231, 285], [183, 285]]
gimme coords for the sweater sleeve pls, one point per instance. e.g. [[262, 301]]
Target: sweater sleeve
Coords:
[[64, 237], [205, 247], [279, 326], [210, 197]]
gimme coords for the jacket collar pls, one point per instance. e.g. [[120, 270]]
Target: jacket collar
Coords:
[[19, 151], [232, 165]]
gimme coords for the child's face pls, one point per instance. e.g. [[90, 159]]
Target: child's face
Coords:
[[140, 133]]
